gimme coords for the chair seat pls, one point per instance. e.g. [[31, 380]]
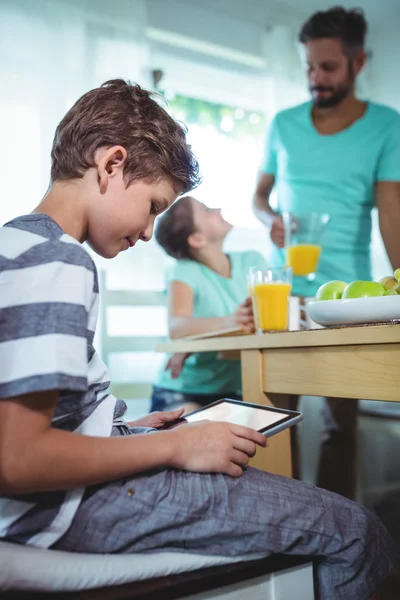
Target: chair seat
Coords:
[[31, 573], [29, 568]]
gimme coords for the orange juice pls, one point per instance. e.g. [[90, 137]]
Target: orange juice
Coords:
[[303, 258], [250, 291], [271, 302]]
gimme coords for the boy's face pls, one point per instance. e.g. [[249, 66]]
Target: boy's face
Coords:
[[120, 215]]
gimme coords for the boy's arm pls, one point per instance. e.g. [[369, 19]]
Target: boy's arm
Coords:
[[36, 457]]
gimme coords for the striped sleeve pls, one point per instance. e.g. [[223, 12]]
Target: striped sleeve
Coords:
[[44, 310]]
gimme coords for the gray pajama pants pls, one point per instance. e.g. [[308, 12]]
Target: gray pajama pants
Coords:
[[170, 510]]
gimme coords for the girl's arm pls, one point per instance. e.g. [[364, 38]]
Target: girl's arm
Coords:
[[182, 323]]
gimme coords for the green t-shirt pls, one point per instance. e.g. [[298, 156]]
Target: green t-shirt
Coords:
[[214, 296], [334, 174]]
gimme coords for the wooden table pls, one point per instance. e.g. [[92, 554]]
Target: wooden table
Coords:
[[348, 362]]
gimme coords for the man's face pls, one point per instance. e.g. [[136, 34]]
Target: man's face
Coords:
[[331, 74]]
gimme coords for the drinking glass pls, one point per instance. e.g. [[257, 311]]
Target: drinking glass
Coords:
[[270, 291], [303, 235]]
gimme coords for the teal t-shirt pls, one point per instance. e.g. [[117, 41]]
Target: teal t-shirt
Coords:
[[214, 296], [334, 174]]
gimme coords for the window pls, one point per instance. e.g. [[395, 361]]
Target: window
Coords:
[[228, 142]]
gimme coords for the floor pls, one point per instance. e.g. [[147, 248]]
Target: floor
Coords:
[[390, 590]]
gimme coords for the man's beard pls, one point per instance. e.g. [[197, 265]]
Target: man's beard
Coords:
[[334, 99], [337, 95]]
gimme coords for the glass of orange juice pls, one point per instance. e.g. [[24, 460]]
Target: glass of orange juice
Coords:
[[270, 294], [250, 292], [303, 235]]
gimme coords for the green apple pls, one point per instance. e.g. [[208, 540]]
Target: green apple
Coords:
[[389, 283], [397, 274], [332, 290], [363, 289], [390, 292]]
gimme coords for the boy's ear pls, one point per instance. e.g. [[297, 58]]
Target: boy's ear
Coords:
[[110, 162], [196, 240]]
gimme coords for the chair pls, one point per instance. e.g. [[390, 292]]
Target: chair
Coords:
[[32, 573]]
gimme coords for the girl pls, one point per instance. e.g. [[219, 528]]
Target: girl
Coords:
[[207, 292]]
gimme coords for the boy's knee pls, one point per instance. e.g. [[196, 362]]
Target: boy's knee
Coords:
[[373, 533]]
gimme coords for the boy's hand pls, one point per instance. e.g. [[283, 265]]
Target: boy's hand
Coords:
[[214, 447], [158, 419], [176, 363], [243, 317]]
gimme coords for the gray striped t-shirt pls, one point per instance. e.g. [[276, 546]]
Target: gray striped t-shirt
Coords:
[[48, 313]]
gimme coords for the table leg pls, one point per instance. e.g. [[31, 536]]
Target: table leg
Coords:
[[277, 457]]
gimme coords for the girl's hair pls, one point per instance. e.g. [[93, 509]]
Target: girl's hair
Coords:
[[174, 228], [122, 113]]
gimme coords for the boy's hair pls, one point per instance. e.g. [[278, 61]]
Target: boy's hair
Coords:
[[122, 113], [349, 26], [174, 228]]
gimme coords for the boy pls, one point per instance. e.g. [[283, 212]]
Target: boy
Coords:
[[73, 474]]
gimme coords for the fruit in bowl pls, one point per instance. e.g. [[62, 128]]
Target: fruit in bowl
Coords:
[[363, 289], [389, 283], [332, 290], [359, 302], [340, 290]]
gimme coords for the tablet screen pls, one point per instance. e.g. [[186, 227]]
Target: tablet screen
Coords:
[[238, 414]]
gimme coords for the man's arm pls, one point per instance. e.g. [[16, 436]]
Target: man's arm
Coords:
[[263, 210], [388, 202], [261, 206]]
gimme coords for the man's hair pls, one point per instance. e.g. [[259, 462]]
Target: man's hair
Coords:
[[122, 113], [174, 228], [349, 26]]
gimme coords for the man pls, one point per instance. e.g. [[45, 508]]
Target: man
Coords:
[[338, 155]]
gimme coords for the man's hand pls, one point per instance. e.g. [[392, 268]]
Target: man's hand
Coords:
[[158, 419], [176, 363], [277, 232], [213, 447]]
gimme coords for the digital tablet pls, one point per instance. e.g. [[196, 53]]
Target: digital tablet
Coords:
[[265, 419]]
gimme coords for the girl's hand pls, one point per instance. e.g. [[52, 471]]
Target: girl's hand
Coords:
[[243, 317], [176, 363]]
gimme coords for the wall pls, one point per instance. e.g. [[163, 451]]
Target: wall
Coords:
[[385, 79], [202, 23]]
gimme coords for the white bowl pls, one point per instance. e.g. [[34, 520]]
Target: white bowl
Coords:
[[355, 310]]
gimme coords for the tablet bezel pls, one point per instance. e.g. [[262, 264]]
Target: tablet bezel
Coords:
[[290, 414]]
